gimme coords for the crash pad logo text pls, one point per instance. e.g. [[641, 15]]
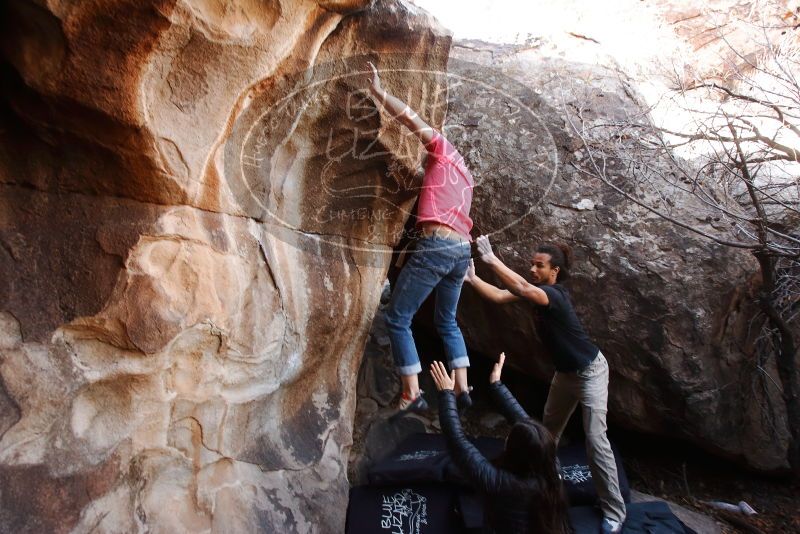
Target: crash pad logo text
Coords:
[[404, 512]]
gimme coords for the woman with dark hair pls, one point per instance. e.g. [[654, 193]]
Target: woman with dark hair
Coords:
[[522, 491], [581, 375]]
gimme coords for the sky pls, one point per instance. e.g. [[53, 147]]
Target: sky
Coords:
[[630, 32]]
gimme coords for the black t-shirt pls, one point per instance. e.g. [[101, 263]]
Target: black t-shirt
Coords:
[[561, 331]]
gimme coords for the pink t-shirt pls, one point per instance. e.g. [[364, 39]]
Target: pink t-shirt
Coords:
[[446, 194]]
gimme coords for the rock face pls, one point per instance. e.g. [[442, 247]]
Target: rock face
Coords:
[[672, 313], [197, 217]]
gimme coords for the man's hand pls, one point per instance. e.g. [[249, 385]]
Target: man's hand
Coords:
[[494, 376], [375, 84], [485, 249], [441, 378], [470, 275]]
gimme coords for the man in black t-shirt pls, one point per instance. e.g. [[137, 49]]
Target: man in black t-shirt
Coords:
[[581, 370], [561, 331]]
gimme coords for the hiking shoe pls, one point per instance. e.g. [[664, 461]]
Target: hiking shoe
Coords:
[[406, 405], [464, 401], [609, 526]]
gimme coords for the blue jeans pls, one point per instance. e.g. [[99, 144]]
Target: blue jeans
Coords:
[[437, 264]]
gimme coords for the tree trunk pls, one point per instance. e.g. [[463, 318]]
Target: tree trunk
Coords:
[[786, 353]]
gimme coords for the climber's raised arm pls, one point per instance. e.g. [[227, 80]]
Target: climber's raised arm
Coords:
[[400, 110]]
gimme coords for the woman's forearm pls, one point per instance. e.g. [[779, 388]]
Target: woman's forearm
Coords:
[[506, 402], [466, 456]]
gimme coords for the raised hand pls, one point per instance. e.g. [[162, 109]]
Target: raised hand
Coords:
[[470, 274], [485, 249], [442, 380], [376, 80], [494, 376]]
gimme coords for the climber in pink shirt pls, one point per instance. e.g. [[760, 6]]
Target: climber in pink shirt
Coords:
[[440, 258]]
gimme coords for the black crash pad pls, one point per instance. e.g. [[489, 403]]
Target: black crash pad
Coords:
[[653, 517], [577, 477], [403, 509], [424, 458]]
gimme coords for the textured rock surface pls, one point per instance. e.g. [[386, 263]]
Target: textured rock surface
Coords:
[[374, 434], [670, 312], [185, 289]]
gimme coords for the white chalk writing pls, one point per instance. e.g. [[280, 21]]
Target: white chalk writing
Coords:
[[576, 474], [404, 512], [418, 455]]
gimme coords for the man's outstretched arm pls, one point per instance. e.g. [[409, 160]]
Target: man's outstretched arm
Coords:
[[516, 284], [487, 290], [400, 110]]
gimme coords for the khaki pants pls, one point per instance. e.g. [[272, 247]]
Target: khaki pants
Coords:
[[589, 386]]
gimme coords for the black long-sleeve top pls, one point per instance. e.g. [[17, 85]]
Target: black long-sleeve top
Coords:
[[508, 499]]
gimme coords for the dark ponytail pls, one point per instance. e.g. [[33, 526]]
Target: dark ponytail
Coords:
[[560, 256]]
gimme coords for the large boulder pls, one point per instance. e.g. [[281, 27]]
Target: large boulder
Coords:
[[672, 312], [197, 216]]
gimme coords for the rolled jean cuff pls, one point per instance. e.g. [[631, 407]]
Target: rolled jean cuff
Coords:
[[460, 362], [413, 369]]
